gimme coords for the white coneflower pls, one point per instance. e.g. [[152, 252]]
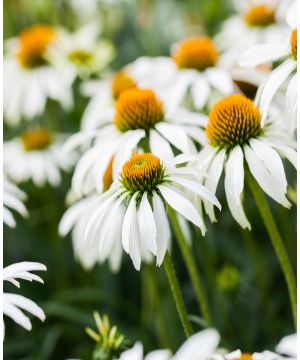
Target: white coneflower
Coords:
[[82, 50], [139, 116], [104, 93], [134, 207], [13, 199], [14, 304], [36, 155], [235, 132], [256, 22], [200, 346], [196, 67], [286, 53], [30, 78]]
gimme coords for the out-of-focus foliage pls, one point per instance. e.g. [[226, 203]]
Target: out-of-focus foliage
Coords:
[[245, 285]]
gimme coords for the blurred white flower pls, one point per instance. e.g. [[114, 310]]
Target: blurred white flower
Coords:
[[236, 131], [288, 346], [13, 199], [256, 22], [82, 50], [195, 69], [140, 115], [134, 207], [145, 72], [30, 78], [285, 52], [14, 304], [199, 346], [36, 155], [76, 219]]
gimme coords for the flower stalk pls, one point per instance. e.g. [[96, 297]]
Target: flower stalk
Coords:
[[191, 266], [277, 242], [174, 285]]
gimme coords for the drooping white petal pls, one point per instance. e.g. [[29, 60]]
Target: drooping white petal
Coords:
[[212, 180], [287, 152], [264, 178], [159, 355], [178, 201], [291, 104], [147, 225], [198, 189], [163, 232], [271, 85], [175, 135], [220, 80], [261, 54], [234, 185], [272, 161], [130, 233], [200, 345], [200, 91], [12, 271], [159, 146]]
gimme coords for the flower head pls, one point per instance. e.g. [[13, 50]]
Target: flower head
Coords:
[[236, 131], [232, 121], [260, 15], [196, 53], [136, 202], [138, 109], [33, 45], [36, 139]]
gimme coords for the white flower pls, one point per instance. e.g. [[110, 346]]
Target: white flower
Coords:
[[13, 199], [139, 116], [145, 72], [256, 22], [82, 50], [286, 52], [199, 346], [288, 346], [13, 304], [29, 77], [133, 209], [194, 69], [235, 132], [36, 155]]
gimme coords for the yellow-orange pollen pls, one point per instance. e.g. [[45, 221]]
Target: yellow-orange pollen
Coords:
[[260, 15], [293, 42], [138, 109], [142, 172], [33, 45], [37, 139], [121, 82], [108, 175], [196, 53], [232, 121]]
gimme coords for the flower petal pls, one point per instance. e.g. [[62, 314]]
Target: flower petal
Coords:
[[147, 225]]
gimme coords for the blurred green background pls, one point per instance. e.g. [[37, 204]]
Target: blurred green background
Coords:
[[245, 285]]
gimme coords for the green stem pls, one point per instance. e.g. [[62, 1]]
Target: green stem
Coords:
[[277, 242], [171, 275], [191, 266]]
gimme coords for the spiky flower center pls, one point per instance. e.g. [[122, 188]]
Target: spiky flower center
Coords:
[[232, 121], [80, 57], [196, 53], [138, 109], [37, 139], [293, 42], [121, 82], [260, 15], [33, 45], [142, 172], [245, 356]]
